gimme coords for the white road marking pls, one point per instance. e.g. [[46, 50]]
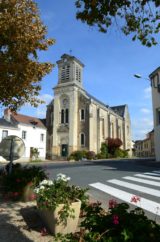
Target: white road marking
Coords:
[[149, 177], [153, 183], [143, 189], [146, 204], [157, 171], [151, 174]]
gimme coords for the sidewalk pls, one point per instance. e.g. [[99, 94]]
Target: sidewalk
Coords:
[[19, 222]]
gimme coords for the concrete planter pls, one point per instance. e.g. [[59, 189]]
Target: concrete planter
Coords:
[[50, 219], [28, 194]]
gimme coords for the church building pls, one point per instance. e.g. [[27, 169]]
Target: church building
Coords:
[[78, 121]]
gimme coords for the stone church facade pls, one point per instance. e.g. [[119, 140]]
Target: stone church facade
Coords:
[[78, 121]]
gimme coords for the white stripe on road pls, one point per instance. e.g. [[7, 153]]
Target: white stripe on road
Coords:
[[157, 171], [146, 204], [153, 183], [150, 177], [151, 174], [146, 190]]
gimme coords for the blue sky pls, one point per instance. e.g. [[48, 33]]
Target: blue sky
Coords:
[[110, 61]]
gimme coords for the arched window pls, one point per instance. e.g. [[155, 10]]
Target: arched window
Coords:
[[62, 116], [82, 137]]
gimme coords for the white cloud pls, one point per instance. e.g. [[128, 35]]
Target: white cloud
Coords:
[[147, 92], [46, 97], [145, 110], [140, 127]]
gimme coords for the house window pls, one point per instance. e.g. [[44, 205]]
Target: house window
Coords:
[[82, 114], [42, 137], [82, 137], [4, 133], [24, 134]]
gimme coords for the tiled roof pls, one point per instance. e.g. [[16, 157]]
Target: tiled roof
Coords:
[[7, 124], [20, 118]]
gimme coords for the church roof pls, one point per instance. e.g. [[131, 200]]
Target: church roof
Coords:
[[120, 110], [95, 99]]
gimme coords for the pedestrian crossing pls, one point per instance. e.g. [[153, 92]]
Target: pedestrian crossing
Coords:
[[135, 185]]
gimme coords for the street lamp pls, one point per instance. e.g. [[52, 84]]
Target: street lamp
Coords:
[[153, 83]]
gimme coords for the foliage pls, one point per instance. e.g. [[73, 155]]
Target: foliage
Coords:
[[121, 153], [34, 153], [104, 150], [138, 18], [90, 155], [52, 193], [77, 155], [23, 35], [21, 176], [119, 224], [113, 144]]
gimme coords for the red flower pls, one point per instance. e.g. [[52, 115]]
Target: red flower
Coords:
[[135, 199], [43, 232], [15, 194], [115, 219], [112, 203]]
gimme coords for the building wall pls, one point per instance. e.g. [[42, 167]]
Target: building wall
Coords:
[[100, 121], [155, 81], [145, 148], [33, 139]]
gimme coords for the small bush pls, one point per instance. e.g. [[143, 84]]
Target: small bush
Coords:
[[21, 176], [104, 150], [90, 155], [120, 153], [76, 155]]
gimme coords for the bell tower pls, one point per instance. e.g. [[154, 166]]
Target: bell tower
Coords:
[[70, 70]]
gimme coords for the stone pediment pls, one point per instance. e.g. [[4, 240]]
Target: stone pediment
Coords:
[[63, 128]]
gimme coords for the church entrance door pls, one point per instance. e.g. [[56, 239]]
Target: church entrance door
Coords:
[[64, 150]]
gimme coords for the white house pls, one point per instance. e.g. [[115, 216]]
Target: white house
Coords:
[[30, 129], [155, 84]]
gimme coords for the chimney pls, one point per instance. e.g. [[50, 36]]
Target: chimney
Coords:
[[7, 114]]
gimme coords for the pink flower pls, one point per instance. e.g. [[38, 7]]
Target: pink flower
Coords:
[[135, 199], [115, 219], [112, 203], [32, 197]]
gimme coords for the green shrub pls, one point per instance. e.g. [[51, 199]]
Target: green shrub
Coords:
[[104, 150], [76, 155], [14, 184], [120, 153], [100, 156]]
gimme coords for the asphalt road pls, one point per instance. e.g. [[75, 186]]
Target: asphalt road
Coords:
[[118, 180]]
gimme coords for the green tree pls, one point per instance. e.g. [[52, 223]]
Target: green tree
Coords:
[[140, 18], [23, 35]]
